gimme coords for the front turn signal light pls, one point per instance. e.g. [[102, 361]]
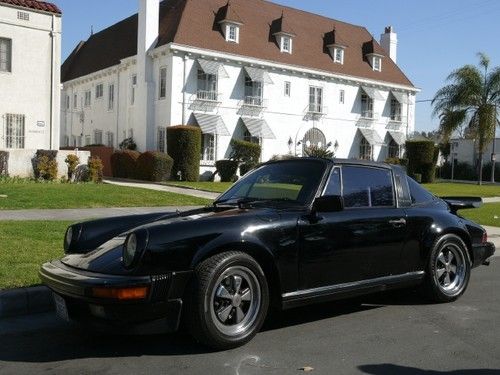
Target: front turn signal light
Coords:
[[122, 294]]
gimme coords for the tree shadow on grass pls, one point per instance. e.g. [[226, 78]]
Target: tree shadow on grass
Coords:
[[390, 369]]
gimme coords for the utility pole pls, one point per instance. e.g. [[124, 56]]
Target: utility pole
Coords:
[[493, 154]]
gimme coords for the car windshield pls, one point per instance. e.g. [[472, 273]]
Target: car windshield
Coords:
[[293, 181]]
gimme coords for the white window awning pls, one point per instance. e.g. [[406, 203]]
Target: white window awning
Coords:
[[401, 97], [371, 136], [211, 124], [258, 75], [213, 67], [258, 128], [372, 93], [399, 138]]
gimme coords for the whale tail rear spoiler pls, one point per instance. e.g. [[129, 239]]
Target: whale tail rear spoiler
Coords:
[[462, 203]]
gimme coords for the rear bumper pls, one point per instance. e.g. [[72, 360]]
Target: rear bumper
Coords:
[[482, 253], [159, 312]]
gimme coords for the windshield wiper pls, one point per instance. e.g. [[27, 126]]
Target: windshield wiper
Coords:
[[248, 201]]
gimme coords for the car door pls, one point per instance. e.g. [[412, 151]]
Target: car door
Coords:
[[363, 241]]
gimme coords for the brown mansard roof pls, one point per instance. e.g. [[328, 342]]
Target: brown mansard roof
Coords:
[[195, 23], [34, 4]]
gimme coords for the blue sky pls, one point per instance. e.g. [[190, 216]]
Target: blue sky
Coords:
[[435, 36]]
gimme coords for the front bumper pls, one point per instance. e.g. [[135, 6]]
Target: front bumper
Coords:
[[481, 253], [159, 312]]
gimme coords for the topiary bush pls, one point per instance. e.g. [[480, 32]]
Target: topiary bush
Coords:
[[422, 159], [154, 166], [227, 170], [124, 164], [95, 169], [72, 161], [184, 146], [50, 156], [4, 163], [245, 152]]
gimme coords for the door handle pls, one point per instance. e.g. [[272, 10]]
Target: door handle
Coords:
[[398, 223]]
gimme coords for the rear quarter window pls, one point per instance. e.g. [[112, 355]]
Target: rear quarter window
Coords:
[[419, 195]]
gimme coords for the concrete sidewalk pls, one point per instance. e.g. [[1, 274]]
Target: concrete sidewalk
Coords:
[[494, 236]]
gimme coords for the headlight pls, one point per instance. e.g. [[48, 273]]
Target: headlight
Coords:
[[68, 238], [73, 234], [134, 246]]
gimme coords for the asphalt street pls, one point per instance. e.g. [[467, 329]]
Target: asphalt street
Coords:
[[391, 333]]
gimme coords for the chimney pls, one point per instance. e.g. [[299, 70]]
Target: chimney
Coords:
[[389, 42], [149, 15]]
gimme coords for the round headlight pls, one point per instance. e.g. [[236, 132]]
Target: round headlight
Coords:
[[130, 250], [68, 238]]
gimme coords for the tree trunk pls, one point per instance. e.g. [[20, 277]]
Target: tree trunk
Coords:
[[480, 182]]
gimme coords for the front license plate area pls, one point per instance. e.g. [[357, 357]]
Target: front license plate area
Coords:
[[61, 308]]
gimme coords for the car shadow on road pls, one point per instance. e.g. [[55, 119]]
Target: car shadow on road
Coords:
[[65, 342], [390, 369]]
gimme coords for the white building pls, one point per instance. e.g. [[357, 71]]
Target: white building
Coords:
[[465, 151], [246, 69], [30, 60]]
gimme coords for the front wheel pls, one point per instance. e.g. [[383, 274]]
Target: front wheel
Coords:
[[229, 300], [448, 270]]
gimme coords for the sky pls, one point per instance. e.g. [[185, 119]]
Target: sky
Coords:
[[435, 36]]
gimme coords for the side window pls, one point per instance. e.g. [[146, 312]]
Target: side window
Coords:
[[367, 187], [418, 194], [334, 186]]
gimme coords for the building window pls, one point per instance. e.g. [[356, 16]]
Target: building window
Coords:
[[163, 83], [338, 55], [393, 149], [377, 63], [5, 55], [286, 44], [88, 140], [133, 87], [23, 16], [253, 92], [365, 150], [67, 104], [98, 137], [232, 33], [75, 101], [74, 141], [66, 141], [315, 99], [111, 139], [313, 138], [366, 106], [162, 139], [208, 147], [248, 137], [111, 97], [99, 91], [15, 131], [207, 86], [395, 110], [342, 97], [88, 98], [288, 89]]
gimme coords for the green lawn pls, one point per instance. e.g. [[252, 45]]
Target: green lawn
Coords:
[[489, 214], [216, 187], [42, 195], [24, 246], [471, 190]]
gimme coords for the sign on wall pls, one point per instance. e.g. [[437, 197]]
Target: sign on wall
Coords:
[[40, 124]]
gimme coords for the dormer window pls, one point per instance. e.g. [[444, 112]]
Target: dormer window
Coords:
[[338, 55], [230, 23], [335, 46], [232, 35], [286, 44], [283, 33], [377, 63]]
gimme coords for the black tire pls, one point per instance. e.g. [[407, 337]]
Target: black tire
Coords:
[[438, 275], [204, 308]]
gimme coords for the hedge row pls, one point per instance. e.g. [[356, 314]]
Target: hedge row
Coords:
[[467, 172], [184, 146], [422, 158], [149, 166]]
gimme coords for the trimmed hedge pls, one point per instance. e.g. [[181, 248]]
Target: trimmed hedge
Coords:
[[184, 146], [245, 152], [422, 157], [45, 165], [124, 163], [4, 163], [154, 166], [227, 170]]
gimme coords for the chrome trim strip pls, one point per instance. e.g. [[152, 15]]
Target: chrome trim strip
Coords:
[[356, 284]]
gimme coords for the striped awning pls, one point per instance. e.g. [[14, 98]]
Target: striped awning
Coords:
[[211, 124], [399, 138], [401, 97], [371, 136], [258, 127], [372, 93], [258, 75], [213, 67]]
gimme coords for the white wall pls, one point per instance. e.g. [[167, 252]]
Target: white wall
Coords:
[[465, 151], [36, 61]]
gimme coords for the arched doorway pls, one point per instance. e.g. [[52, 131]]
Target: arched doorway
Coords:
[[313, 137]]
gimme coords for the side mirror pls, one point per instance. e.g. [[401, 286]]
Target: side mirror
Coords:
[[329, 203]]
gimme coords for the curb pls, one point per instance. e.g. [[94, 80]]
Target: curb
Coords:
[[25, 301]]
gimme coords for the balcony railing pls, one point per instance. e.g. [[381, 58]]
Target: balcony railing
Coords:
[[254, 101], [210, 96], [317, 109], [369, 115], [396, 118]]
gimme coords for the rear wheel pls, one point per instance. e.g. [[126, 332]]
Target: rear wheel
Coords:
[[229, 301], [448, 270]]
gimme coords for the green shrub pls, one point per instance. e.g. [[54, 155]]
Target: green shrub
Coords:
[[128, 144], [462, 171], [283, 157], [246, 167], [4, 163], [395, 161], [184, 146], [422, 156], [487, 172], [124, 164], [154, 166], [72, 162], [417, 177], [227, 170], [245, 152], [95, 169], [48, 170], [319, 152]]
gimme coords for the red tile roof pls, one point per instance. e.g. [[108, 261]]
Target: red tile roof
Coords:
[[34, 4], [194, 23]]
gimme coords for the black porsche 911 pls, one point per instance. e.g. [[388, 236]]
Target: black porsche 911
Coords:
[[289, 233]]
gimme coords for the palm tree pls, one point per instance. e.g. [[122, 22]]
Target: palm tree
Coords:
[[470, 100]]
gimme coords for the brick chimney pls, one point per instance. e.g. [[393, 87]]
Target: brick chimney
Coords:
[[389, 42]]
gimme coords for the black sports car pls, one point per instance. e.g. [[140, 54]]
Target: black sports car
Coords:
[[289, 233]]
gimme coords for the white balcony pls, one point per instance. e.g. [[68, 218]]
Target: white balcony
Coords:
[[369, 115], [316, 109], [254, 101], [209, 96]]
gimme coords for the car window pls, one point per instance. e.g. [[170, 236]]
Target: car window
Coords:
[[367, 187], [334, 186], [418, 194]]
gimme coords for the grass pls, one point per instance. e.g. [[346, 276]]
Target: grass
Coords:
[[470, 190], [46, 196], [488, 214], [24, 247], [216, 187]]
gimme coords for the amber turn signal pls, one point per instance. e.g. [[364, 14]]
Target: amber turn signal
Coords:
[[122, 294]]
